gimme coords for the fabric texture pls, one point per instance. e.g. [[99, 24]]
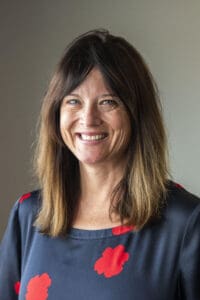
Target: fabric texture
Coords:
[[159, 262]]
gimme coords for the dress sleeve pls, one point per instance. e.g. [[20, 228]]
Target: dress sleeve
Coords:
[[190, 259], [10, 258]]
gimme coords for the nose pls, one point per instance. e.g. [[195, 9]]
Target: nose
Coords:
[[90, 116]]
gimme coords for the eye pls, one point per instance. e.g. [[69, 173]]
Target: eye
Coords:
[[108, 104], [73, 102]]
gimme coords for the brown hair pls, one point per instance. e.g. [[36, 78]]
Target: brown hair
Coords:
[[143, 188]]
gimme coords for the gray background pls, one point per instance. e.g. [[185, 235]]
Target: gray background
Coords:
[[33, 37]]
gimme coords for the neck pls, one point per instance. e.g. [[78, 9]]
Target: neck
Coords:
[[98, 181]]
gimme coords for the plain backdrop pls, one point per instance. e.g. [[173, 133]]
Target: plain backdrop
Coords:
[[33, 36]]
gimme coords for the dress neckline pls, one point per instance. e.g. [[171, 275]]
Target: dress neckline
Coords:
[[100, 233]]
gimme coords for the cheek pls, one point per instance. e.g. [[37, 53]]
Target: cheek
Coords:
[[121, 123], [65, 121], [65, 127]]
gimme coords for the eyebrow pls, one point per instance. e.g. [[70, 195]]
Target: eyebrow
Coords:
[[104, 95]]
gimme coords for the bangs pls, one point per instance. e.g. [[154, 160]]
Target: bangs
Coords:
[[81, 57], [112, 60], [74, 72]]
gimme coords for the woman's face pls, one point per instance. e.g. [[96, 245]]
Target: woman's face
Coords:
[[94, 123]]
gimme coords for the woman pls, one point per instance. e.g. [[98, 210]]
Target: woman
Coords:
[[107, 223]]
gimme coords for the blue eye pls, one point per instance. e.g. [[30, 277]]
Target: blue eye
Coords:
[[73, 101], [109, 102]]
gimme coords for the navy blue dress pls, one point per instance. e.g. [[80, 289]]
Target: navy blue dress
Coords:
[[159, 262]]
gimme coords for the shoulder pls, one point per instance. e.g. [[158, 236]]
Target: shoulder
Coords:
[[27, 207], [181, 205], [21, 219], [181, 199], [30, 200]]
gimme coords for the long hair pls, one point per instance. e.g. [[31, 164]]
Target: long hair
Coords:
[[141, 192]]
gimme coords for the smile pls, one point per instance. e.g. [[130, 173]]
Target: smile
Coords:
[[96, 137]]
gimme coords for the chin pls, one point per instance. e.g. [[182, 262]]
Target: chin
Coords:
[[91, 160]]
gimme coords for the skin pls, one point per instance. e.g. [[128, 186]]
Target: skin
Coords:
[[88, 112]]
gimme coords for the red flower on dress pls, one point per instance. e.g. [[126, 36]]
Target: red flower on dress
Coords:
[[37, 288], [122, 229], [111, 262], [17, 287], [25, 196], [179, 186]]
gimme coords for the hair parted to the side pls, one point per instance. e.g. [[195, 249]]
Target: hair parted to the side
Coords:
[[140, 194]]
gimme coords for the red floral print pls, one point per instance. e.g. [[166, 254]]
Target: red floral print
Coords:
[[37, 288], [179, 186], [17, 287], [112, 261], [122, 229], [25, 196]]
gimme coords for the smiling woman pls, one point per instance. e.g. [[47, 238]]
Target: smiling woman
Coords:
[[96, 128], [107, 220], [95, 119]]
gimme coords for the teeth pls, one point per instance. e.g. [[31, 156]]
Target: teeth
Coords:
[[92, 137]]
